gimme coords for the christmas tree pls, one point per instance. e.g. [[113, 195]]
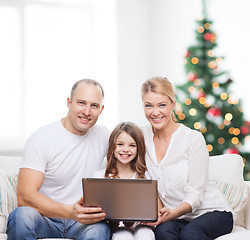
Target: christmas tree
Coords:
[[205, 101]]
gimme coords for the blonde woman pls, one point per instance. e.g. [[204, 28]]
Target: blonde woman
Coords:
[[192, 207]]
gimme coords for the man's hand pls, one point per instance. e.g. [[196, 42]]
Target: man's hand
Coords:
[[87, 215]]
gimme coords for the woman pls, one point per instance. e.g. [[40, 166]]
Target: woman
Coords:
[[192, 207]]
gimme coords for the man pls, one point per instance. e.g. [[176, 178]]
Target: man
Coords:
[[55, 159]]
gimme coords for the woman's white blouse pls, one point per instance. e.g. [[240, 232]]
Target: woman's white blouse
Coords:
[[183, 172]]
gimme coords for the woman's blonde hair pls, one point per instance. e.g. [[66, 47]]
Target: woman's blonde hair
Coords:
[[159, 85], [138, 163]]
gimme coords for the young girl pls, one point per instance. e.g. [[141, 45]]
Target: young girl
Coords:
[[126, 159]]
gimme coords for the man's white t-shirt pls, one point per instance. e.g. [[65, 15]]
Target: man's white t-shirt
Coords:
[[65, 158]]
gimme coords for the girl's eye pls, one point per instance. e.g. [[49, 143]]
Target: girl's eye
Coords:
[[163, 105], [148, 106], [119, 144], [133, 145]]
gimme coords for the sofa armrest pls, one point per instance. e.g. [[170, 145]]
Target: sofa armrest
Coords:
[[248, 208]]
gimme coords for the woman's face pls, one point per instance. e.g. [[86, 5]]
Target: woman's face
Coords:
[[126, 148], [158, 109]]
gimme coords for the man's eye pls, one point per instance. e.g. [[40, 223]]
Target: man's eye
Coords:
[[95, 106]]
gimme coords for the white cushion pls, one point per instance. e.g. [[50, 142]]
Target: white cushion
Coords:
[[8, 200], [3, 236], [236, 195], [10, 164], [227, 172], [227, 168], [238, 233]]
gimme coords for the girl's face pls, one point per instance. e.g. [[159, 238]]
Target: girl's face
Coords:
[[158, 109], [126, 148]]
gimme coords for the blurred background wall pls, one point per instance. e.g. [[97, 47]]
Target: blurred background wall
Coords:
[[47, 45]]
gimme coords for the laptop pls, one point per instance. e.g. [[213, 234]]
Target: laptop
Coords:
[[122, 199]]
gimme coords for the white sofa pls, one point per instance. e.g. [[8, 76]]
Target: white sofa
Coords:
[[226, 170]]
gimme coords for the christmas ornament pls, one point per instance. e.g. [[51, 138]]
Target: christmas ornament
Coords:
[[245, 129], [214, 112], [188, 53], [232, 151], [192, 76], [201, 95], [208, 36]]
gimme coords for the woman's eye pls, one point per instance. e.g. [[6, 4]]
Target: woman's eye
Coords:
[[163, 105], [148, 106]]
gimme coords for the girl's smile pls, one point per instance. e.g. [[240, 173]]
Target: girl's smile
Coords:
[[126, 148]]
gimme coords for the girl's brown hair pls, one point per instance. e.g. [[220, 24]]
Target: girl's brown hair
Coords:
[[159, 85], [138, 163]]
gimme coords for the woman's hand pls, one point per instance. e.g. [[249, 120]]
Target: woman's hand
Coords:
[[165, 214]]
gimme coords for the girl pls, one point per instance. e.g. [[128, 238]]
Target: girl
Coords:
[[126, 159], [192, 207]]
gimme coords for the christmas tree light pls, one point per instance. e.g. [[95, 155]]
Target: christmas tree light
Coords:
[[207, 104]]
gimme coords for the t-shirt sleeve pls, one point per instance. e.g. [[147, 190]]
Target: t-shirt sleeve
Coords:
[[35, 155]]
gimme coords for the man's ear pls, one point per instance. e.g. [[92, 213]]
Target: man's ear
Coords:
[[68, 101], [102, 109]]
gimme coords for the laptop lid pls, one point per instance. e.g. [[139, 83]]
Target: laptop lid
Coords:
[[122, 199]]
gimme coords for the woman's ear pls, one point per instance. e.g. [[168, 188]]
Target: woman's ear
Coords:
[[174, 105]]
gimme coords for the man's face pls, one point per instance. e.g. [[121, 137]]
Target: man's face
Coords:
[[84, 108]]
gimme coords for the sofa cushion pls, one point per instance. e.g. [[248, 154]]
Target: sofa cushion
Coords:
[[227, 172], [236, 195], [227, 168], [10, 164], [238, 233], [8, 200]]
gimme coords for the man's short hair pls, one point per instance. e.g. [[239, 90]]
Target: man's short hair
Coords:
[[89, 81]]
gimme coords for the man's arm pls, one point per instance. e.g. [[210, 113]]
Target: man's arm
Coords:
[[29, 183]]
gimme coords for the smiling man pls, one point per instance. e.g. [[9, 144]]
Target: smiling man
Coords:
[[55, 159]]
